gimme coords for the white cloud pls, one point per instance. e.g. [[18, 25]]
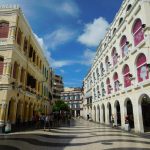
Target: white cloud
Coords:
[[40, 41], [61, 63], [88, 57], [58, 37], [94, 32]]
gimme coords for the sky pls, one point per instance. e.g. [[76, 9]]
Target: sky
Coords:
[[69, 32]]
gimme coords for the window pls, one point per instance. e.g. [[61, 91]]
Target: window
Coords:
[[107, 63], [137, 31], [103, 90], [124, 45], [102, 69], [114, 56], [116, 82], [114, 31], [19, 37], [25, 45], [108, 86], [142, 69], [120, 21], [4, 29], [126, 76], [97, 73], [1, 65], [15, 70], [129, 7], [98, 92], [22, 75]]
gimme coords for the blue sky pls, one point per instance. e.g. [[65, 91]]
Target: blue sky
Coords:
[[69, 31]]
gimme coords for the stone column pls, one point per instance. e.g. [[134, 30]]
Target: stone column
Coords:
[[138, 118], [8, 69], [3, 112], [107, 115], [26, 113]]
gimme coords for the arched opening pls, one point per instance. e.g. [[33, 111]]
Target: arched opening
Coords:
[[4, 29], [114, 56], [114, 31], [118, 113], [126, 76], [120, 21], [19, 113], [116, 82], [107, 63], [11, 110], [103, 111], [145, 106], [130, 113], [108, 86], [102, 69], [129, 7], [109, 112], [142, 68], [137, 31], [124, 45]]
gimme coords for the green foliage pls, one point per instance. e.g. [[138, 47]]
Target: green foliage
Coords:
[[60, 105]]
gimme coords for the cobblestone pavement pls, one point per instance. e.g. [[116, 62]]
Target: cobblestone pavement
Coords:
[[81, 135]]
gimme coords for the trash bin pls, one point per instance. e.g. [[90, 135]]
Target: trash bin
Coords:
[[8, 127]]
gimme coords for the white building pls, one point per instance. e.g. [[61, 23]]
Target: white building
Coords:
[[118, 83], [74, 98]]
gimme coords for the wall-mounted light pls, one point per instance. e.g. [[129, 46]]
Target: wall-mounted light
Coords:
[[117, 55], [143, 25]]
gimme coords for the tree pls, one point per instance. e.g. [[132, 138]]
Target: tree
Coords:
[[60, 106]]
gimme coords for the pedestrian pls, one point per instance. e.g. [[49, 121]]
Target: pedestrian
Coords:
[[112, 120], [46, 123], [127, 126]]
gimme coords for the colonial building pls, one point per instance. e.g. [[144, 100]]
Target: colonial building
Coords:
[[74, 98], [24, 71], [118, 84], [57, 87]]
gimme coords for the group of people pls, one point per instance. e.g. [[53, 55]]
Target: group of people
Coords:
[[49, 121], [128, 122]]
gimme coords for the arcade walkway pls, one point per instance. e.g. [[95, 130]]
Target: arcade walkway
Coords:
[[81, 135]]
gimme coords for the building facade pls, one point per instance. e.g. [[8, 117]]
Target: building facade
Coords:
[[74, 98], [118, 84], [24, 71], [58, 87]]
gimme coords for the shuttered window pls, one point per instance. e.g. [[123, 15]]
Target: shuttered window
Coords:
[[4, 29], [1, 65]]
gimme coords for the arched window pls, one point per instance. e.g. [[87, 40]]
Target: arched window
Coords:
[[128, 7], [4, 29], [114, 31], [126, 76], [97, 73], [137, 31], [114, 56], [103, 89], [15, 71], [1, 65], [124, 45], [120, 21], [102, 69], [116, 82], [142, 69], [107, 63], [108, 86], [25, 45], [19, 37]]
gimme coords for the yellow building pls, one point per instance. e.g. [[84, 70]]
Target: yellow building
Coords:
[[24, 71]]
